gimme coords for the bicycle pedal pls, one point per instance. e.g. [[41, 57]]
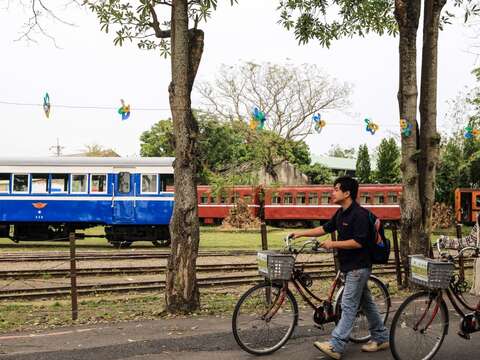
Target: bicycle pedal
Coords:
[[463, 335]]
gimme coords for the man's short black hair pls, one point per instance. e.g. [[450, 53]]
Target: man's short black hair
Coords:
[[348, 183]]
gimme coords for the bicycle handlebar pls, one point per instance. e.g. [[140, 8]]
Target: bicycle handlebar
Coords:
[[460, 252], [316, 245]]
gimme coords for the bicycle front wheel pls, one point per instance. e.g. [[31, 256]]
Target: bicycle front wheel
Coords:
[[264, 318], [418, 327]]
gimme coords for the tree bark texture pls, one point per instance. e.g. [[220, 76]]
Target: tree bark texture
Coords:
[[429, 137], [407, 14], [182, 293]]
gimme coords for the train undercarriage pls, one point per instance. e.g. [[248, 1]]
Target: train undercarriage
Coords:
[[119, 236]]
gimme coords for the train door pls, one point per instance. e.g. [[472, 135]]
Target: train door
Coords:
[[123, 200], [465, 211], [475, 205]]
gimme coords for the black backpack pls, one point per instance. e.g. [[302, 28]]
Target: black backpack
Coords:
[[379, 244]]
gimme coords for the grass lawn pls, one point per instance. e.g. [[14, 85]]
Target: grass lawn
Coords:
[[211, 238]]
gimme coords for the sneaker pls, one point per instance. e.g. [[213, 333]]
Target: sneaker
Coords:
[[327, 349], [373, 346]]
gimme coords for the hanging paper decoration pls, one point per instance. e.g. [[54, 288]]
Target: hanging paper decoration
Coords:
[[471, 133], [124, 110], [405, 128], [319, 123], [371, 126], [257, 120], [46, 105]]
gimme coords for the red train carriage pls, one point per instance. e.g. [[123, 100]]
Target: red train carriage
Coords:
[[213, 208], [467, 205], [289, 204], [314, 202]]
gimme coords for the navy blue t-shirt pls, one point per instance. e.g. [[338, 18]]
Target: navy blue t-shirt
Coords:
[[352, 223]]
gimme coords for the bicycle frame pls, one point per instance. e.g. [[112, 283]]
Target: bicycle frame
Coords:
[[306, 294]]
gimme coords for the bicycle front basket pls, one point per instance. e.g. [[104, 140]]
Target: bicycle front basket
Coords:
[[433, 274], [275, 266]]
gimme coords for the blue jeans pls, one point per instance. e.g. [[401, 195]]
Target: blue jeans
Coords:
[[356, 293]]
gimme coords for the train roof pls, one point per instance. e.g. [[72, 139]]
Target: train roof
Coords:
[[86, 164]]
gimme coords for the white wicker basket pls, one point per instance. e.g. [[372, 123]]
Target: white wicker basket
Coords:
[[275, 266]]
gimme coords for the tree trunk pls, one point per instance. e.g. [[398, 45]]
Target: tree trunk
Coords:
[[429, 138], [407, 14], [182, 294]]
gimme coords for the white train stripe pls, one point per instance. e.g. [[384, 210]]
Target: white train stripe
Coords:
[[86, 198], [327, 206]]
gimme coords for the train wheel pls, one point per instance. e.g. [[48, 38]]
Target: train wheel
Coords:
[[161, 242], [121, 244]]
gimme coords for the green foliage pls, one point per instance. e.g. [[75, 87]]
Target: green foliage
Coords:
[[388, 162], [95, 150], [159, 140], [318, 173], [329, 20], [449, 170], [143, 22], [363, 170], [228, 152], [338, 151]]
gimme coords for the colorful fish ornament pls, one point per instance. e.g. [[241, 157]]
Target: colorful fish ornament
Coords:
[[319, 123], [405, 128], [371, 126], [46, 105], [257, 119], [124, 110]]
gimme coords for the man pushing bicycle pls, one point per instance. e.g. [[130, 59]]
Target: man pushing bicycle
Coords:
[[352, 223]]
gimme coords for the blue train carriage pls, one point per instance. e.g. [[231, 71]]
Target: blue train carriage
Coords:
[[46, 198]]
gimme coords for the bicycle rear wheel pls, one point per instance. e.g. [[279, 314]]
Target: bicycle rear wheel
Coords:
[[418, 327], [254, 329], [381, 297]]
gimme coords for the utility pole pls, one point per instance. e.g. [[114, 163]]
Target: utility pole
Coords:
[[57, 149]]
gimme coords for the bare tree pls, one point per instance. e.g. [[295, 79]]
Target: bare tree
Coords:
[[38, 14], [288, 95]]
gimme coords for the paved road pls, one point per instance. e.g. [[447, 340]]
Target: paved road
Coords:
[[205, 338]]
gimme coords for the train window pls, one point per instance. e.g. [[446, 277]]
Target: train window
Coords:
[[235, 197], [364, 198], [20, 183], [79, 183], [301, 199], [287, 198], [98, 183], [39, 183], [247, 199], [212, 199], [4, 183], [379, 199], [392, 198], [204, 198], [312, 198], [275, 198], [59, 183], [149, 183], [477, 201], [326, 198], [223, 198], [124, 181], [166, 180]]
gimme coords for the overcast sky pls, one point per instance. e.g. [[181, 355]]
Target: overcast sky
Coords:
[[90, 71]]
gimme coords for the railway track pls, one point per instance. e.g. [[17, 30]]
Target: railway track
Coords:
[[149, 286], [146, 270], [105, 255]]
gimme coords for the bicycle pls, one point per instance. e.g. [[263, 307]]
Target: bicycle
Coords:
[[423, 319], [266, 315]]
